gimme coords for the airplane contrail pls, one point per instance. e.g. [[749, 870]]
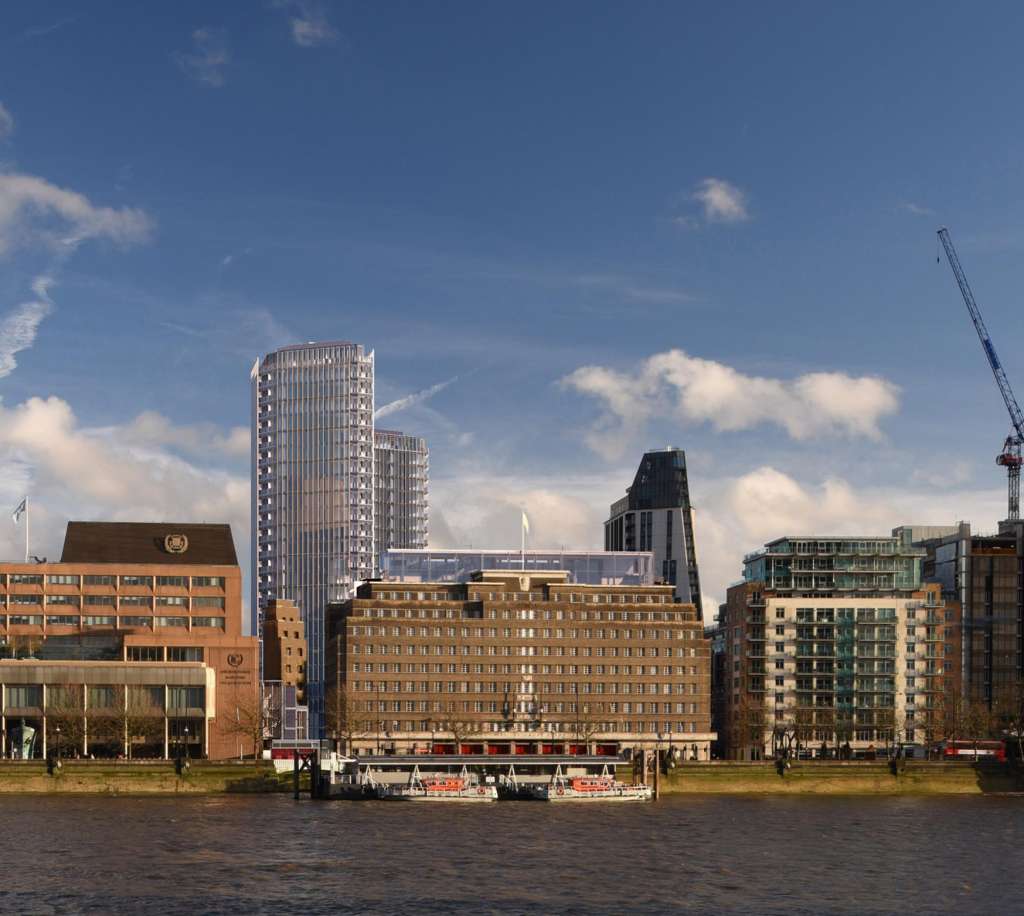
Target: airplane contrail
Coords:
[[410, 400]]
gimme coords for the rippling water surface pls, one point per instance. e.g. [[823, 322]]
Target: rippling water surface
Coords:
[[706, 854]]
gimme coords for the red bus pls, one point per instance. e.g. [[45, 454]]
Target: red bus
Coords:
[[973, 750]]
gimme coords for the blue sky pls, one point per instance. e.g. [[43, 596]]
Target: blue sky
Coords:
[[505, 195]]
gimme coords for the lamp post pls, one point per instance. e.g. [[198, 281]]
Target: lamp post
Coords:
[[186, 754], [58, 742]]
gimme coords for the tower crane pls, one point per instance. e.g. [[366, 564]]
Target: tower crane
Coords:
[[1010, 457]]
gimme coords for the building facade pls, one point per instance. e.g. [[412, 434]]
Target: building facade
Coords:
[[656, 515], [984, 576], [130, 645], [586, 567], [529, 659], [285, 651], [831, 642], [312, 484], [401, 467]]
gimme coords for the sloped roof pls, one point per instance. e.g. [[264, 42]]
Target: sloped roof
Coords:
[[145, 542]]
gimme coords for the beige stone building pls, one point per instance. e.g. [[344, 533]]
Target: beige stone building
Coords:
[[528, 663]]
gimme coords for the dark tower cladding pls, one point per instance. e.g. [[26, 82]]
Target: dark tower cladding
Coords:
[[656, 515]]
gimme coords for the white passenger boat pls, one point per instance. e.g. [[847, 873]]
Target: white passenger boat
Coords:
[[603, 788], [441, 787]]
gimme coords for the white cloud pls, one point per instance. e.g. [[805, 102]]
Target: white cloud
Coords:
[[916, 209], [209, 56], [723, 202], [18, 329], [631, 289], [116, 474], [310, 26], [203, 440], [33, 210], [735, 516], [411, 400], [6, 122], [696, 390]]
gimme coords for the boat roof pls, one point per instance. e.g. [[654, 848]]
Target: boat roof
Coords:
[[410, 760]]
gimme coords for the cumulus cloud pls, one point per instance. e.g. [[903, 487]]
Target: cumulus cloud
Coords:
[[32, 210], [117, 474], [735, 516], [205, 440], [6, 123], [411, 400], [209, 56], [740, 514], [309, 23], [695, 390], [18, 329], [722, 202]]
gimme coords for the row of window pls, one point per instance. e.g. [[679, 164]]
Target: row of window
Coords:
[[520, 614], [113, 581], [527, 651], [612, 687], [105, 698], [572, 597], [103, 620], [205, 602], [464, 668], [523, 633], [164, 653], [568, 727]]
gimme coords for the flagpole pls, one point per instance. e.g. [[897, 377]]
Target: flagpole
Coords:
[[26, 529], [522, 532]]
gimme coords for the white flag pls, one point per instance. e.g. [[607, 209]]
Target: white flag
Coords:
[[23, 507], [526, 524]]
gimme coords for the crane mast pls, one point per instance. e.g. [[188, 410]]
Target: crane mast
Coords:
[[1010, 457]]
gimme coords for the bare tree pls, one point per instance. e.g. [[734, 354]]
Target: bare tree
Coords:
[[586, 723], [746, 725], [346, 717], [252, 719], [1009, 715], [65, 717], [460, 729]]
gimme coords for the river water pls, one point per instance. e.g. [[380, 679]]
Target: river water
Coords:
[[698, 854]]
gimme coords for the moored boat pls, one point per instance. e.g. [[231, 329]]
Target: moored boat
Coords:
[[462, 788], [592, 788]]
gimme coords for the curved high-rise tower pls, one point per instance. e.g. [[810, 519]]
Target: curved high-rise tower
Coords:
[[312, 486]]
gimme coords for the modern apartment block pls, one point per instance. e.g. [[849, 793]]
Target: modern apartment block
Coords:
[[830, 641], [330, 492], [312, 485], [984, 576], [130, 645], [401, 477], [655, 515], [520, 663]]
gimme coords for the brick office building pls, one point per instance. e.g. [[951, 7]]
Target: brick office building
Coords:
[[526, 663], [138, 628]]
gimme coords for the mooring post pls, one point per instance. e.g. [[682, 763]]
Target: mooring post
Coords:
[[295, 774], [657, 774]]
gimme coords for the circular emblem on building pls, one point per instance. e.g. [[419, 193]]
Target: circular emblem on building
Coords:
[[234, 659], [175, 543]]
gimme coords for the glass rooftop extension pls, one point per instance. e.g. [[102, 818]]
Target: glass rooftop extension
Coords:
[[585, 567]]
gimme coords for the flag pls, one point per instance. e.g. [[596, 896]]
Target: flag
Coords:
[[23, 508], [526, 524]]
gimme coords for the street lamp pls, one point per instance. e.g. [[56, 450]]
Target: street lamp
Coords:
[[186, 754], [58, 742]]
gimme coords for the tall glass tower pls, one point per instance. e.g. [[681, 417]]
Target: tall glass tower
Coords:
[[312, 486]]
